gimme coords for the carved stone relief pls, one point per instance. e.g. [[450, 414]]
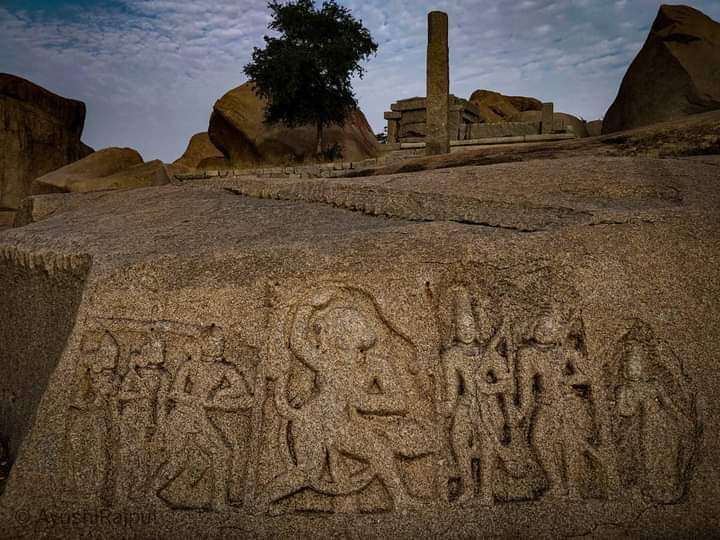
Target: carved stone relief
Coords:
[[348, 407], [338, 414], [158, 416]]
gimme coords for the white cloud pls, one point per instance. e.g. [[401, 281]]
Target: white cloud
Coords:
[[150, 72]]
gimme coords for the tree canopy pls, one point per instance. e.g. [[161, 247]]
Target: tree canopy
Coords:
[[305, 73]]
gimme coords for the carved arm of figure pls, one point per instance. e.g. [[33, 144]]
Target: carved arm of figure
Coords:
[[163, 396], [130, 385], [233, 398], [300, 346], [452, 390], [504, 383], [669, 404], [527, 371], [177, 391], [393, 400]]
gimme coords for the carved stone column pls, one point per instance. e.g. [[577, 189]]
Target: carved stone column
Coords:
[[438, 85], [393, 126]]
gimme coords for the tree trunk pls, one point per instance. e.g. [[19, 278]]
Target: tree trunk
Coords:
[[319, 138]]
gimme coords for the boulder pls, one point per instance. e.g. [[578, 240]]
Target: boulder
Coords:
[[39, 132], [111, 168], [496, 107], [200, 150], [184, 359], [100, 164], [675, 74], [238, 129]]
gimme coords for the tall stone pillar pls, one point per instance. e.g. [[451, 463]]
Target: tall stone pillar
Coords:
[[548, 118], [437, 136]]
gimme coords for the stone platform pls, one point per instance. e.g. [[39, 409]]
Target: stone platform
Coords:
[[515, 350]]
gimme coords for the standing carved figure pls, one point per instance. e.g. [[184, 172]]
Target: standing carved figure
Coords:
[[547, 399], [202, 385], [93, 421], [472, 433], [330, 424], [142, 402], [658, 426]]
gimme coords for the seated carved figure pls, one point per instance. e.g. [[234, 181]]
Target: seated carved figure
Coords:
[[331, 423]]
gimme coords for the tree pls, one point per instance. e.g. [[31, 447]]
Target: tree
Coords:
[[305, 73]]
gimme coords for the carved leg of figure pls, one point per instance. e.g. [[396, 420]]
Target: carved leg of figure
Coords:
[[170, 470], [282, 486], [463, 451], [214, 445], [365, 446], [574, 456], [547, 441], [488, 459]]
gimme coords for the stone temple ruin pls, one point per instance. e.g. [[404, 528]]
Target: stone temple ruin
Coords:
[[442, 120], [406, 123]]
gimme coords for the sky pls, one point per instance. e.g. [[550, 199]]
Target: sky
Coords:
[[149, 71]]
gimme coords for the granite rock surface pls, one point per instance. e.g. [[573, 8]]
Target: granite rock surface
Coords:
[[521, 349], [675, 74], [40, 133]]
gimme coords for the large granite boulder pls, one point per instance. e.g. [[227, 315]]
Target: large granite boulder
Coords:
[[200, 152], [99, 164], [238, 129], [110, 168], [496, 107], [675, 74], [522, 350], [39, 132]]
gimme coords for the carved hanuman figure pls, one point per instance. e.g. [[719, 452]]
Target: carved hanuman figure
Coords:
[[331, 423], [201, 386]]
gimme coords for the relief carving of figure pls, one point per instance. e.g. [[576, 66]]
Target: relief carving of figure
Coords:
[[657, 430], [472, 386], [551, 372], [202, 385], [93, 419], [338, 343], [142, 401]]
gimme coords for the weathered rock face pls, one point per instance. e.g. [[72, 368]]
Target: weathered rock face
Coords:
[[405, 356], [199, 152], [39, 132], [496, 107], [675, 74], [238, 129], [110, 168], [100, 164]]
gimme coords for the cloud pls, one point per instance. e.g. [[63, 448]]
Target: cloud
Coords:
[[150, 70]]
